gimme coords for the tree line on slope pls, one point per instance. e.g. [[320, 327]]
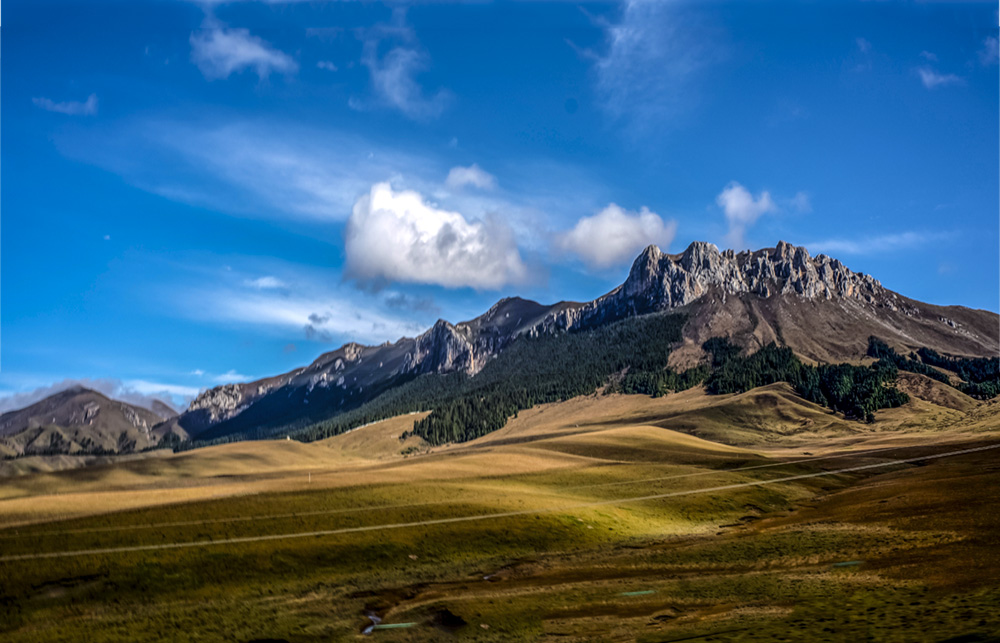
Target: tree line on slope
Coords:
[[551, 368], [980, 375], [593, 359], [532, 370], [855, 391], [630, 356]]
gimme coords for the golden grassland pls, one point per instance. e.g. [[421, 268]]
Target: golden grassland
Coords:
[[903, 552]]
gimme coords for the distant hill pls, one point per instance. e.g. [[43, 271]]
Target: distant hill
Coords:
[[816, 306], [163, 409], [80, 421]]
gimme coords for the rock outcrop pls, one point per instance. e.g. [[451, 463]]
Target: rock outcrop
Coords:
[[221, 402], [442, 349]]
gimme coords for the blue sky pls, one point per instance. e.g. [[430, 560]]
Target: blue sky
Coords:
[[199, 193]]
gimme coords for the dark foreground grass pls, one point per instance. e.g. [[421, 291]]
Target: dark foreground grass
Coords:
[[758, 563]]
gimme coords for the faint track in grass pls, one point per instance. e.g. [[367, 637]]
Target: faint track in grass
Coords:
[[215, 521], [852, 454], [481, 517], [330, 512]]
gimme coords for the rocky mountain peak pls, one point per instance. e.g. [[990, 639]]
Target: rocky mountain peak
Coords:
[[440, 349], [644, 270], [701, 255], [665, 281], [785, 251]]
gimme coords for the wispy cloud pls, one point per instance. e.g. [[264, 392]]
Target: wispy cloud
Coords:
[[317, 305], [266, 283], [403, 301], [742, 210], [614, 236], [400, 237], [652, 54], [219, 52], [473, 175], [932, 79], [269, 169], [874, 245], [327, 65], [231, 377], [317, 317], [156, 389], [989, 53], [284, 171], [393, 72], [72, 108], [800, 203]]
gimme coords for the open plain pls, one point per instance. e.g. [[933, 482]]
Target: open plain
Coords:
[[756, 516]]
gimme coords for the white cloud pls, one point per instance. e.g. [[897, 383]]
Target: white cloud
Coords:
[[231, 377], [399, 237], [266, 283], [742, 210], [473, 175], [932, 80], [990, 53], [873, 245], [219, 52], [72, 107], [614, 235], [651, 55], [863, 45], [327, 65], [138, 392], [929, 55], [393, 73], [198, 372]]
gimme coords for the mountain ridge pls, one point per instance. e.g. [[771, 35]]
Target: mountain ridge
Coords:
[[815, 305]]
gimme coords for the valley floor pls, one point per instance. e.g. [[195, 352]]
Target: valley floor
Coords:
[[615, 518]]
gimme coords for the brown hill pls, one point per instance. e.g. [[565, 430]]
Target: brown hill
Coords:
[[77, 420]]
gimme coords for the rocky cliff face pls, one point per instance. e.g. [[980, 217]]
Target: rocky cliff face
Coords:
[[660, 281], [219, 403], [675, 280], [468, 346], [816, 305], [442, 349]]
